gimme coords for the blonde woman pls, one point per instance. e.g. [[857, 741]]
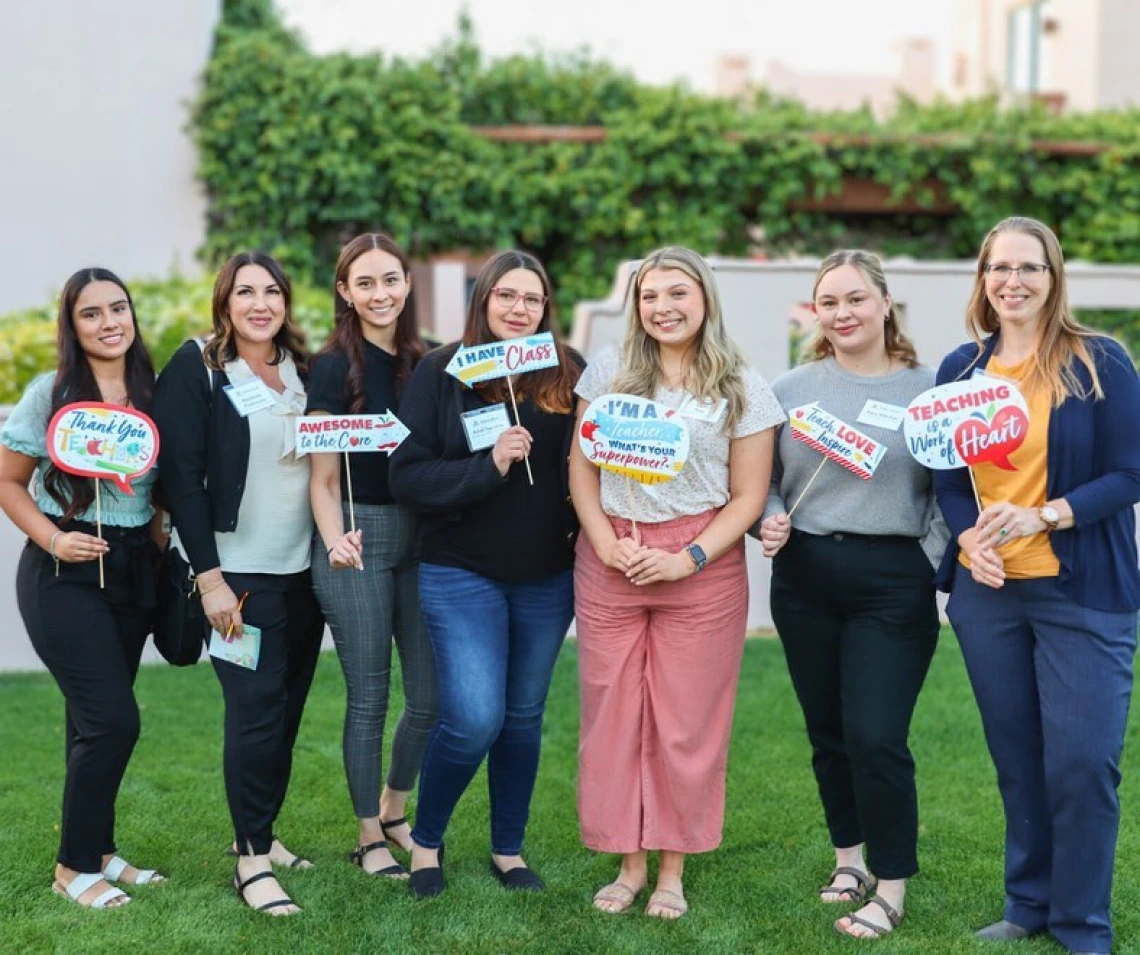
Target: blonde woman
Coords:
[[661, 613], [1045, 588], [853, 587]]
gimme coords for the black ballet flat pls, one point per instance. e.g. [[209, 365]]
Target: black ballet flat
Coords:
[[518, 879], [429, 882]]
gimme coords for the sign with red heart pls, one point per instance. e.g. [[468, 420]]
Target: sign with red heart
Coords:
[[966, 423]]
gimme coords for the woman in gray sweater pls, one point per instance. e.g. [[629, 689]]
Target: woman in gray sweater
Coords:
[[853, 582]]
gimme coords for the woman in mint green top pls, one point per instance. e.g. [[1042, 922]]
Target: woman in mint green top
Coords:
[[88, 632]]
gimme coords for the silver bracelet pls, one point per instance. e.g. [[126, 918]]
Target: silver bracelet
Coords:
[[51, 544]]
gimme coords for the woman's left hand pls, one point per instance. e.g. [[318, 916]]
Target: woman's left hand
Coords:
[[654, 565], [1001, 523]]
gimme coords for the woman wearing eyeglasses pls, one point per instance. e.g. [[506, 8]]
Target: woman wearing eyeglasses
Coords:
[[1044, 585], [496, 578]]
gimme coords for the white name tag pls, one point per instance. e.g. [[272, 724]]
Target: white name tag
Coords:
[[251, 396], [709, 411], [882, 415], [484, 425]]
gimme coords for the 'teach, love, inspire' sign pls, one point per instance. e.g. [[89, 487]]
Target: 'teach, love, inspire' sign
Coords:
[[350, 433], [511, 356], [103, 441], [634, 436], [836, 440]]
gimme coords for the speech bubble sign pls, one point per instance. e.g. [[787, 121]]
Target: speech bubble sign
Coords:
[[836, 440], [634, 436], [967, 422], [103, 441], [352, 433], [511, 356]]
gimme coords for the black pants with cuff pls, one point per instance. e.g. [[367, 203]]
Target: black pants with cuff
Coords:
[[91, 639], [264, 706], [859, 624]]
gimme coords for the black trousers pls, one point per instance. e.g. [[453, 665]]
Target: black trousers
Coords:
[[91, 640], [859, 625], [264, 706]]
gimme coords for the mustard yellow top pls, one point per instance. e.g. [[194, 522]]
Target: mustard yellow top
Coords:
[[1032, 556]]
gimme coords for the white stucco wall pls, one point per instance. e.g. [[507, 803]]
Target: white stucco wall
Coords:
[[95, 166]]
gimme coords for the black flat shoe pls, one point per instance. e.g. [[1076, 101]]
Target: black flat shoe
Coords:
[[518, 879], [357, 855], [429, 882], [1003, 931]]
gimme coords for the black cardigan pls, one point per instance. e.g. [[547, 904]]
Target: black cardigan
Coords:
[[203, 453]]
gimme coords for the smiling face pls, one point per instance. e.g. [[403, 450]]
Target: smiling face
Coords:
[[256, 306], [1018, 298], [377, 288], [104, 325], [852, 313], [516, 304], [671, 306]]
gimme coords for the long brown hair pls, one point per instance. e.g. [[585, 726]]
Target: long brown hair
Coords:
[[75, 381], [1060, 337], [552, 389], [289, 340], [347, 338], [898, 346]]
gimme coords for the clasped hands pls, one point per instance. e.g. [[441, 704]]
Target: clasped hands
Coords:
[[646, 565], [996, 526]]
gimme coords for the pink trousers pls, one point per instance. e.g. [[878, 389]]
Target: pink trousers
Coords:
[[658, 669]]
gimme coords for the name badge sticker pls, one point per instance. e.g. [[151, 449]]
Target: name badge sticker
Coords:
[[250, 397], [484, 425], [882, 415], [711, 412]]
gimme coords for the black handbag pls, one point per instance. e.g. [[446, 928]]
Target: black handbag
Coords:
[[180, 624]]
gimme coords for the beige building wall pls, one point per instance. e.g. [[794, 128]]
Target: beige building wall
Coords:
[[96, 166], [1119, 68]]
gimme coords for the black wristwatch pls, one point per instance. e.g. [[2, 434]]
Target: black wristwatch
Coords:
[[698, 556]]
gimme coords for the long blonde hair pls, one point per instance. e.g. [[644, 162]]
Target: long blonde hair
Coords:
[[898, 346], [717, 370], [1060, 337]]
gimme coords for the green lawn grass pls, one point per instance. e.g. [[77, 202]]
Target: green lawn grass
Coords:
[[755, 894]]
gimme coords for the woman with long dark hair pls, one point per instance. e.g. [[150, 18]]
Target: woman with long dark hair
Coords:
[[239, 501], [366, 576], [496, 584], [90, 637]]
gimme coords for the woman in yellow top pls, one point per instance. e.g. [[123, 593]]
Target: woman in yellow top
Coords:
[[1045, 587]]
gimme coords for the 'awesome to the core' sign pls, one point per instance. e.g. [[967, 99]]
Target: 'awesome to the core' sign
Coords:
[[351, 433]]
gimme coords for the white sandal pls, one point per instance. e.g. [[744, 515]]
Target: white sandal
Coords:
[[116, 866], [82, 882]]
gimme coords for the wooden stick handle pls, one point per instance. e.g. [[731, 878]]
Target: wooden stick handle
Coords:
[[515, 405], [348, 480], [99, 527], [807, 486]]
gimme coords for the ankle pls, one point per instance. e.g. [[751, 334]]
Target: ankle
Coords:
[[893, 891], [851, 857], [370, 831], [393, 804]]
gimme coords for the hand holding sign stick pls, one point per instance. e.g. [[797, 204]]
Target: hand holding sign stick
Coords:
[[98, 440], [502, 359]]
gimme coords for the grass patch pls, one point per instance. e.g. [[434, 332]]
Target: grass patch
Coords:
[[755, 894]]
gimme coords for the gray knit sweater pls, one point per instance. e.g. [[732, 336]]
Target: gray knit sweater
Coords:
[[898, 500]]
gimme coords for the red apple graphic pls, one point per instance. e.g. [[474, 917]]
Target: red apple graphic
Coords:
[[93, 446], [588, 429], [354, 441]]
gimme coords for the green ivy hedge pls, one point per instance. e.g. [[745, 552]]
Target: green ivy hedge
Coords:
[[298, 152]]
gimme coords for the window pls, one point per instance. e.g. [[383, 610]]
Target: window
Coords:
[[1025, 52]]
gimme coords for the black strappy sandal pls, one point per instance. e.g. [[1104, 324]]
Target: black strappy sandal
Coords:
[[240, 888], [385, 825], [357, 855]]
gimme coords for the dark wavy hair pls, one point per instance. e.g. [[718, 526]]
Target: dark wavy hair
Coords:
[[552, 389], [347, 338], [289, 340], [75, 381]]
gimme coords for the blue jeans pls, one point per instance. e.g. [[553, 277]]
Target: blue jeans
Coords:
[[1053, 681], [495, 647]]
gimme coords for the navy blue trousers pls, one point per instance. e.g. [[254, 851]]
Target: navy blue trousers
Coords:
[[1053, 681]]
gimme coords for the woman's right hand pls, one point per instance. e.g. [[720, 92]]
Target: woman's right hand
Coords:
[[618, 554], [513, 445], [774, 533], [75, 548], [221, 608], [986, 565], [347, 551]]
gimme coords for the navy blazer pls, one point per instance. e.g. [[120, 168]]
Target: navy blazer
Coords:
[[1093, 462]]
